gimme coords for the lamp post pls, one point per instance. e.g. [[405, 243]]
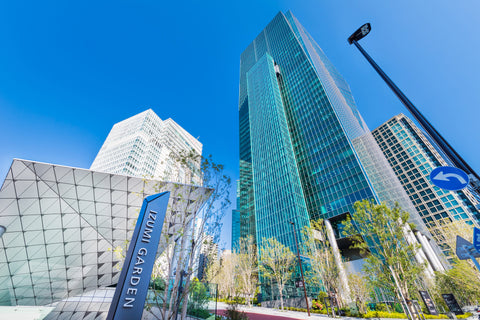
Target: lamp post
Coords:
[[457, 160], [2, 230], [301, 269]]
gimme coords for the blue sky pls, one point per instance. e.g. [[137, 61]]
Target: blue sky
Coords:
[[70, 70]]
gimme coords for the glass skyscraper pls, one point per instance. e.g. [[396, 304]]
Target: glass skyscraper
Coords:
[[305, 151], [413, 156]]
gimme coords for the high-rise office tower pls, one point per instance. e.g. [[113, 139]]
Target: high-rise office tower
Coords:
[[145, 146], [305, 151], [412, 157]]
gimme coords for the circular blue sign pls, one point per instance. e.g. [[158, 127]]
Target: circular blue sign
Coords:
[[449, 178]]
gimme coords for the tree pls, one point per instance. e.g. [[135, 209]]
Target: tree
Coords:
[[461, 280], [202, 221], [190, 221], [323, 270], [187, 224], [246, 267], [226, 276], [359, 292], [277, 262], [380, 232]]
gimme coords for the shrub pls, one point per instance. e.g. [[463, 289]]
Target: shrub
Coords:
[[200, 313], [383, 314], [381, 307]]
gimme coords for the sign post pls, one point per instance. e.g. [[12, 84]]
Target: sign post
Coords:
[[132, 286], [428, 302], [452, 303], [465, 250]]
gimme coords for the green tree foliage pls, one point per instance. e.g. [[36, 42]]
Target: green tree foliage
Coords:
[[198, 297], [359, 291], [380, 232], [246, 267], [277, 262], [462, 280], [323, 270]]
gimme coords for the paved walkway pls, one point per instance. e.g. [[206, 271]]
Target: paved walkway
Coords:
[[258, 313]]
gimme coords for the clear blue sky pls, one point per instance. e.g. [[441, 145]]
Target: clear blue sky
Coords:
[[69, 70]]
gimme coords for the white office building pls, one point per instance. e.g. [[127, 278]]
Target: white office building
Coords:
[[146, 146]]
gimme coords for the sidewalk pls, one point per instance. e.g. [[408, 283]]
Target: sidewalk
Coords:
[[276, 312]]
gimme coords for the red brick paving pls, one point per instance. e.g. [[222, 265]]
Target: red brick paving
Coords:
[[258, 316]]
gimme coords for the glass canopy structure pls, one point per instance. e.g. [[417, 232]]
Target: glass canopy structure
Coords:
[[62, 224]]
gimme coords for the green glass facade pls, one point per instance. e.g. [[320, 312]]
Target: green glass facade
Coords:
[[305, 151]]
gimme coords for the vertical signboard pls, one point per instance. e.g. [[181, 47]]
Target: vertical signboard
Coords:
[[452, 303], [132, 287], [428, 302]]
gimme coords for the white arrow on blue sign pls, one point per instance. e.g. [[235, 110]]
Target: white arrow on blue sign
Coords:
[[449, 178], [476, 238]]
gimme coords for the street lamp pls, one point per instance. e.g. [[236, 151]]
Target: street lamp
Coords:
[[427, 126], [301, 269], [2, 230]]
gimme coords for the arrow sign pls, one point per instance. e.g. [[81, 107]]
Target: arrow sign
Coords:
[[449, 178], [476, 238], [464, 249]]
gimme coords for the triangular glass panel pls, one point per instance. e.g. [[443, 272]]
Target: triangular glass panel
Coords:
[[37, 252], [67, 190], [101, 180], [134, 199], [33, 237], [102, 195], [13, 239], [119, 197], [53, 236], [85, 193], [45, 191], [66, 206], [64, 174], [32, 222], [44, 171], [8, 207], [21, 171], [83, 177], [50, 205], [26, 188], [86, 207], [73, 204], [8, 190], [70, 220], [119, 182], [103, 209], [29, 206], [9, 175], [135, 184]]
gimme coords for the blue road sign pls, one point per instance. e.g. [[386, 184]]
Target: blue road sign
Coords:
[[476, 238], [449, 178]]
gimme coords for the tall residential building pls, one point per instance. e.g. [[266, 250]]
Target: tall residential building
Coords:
[[412, 157], [146, 146], [208, 252], [305, 151]]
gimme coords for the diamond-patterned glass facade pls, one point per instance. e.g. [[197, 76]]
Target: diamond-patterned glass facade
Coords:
[[62, 224]]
